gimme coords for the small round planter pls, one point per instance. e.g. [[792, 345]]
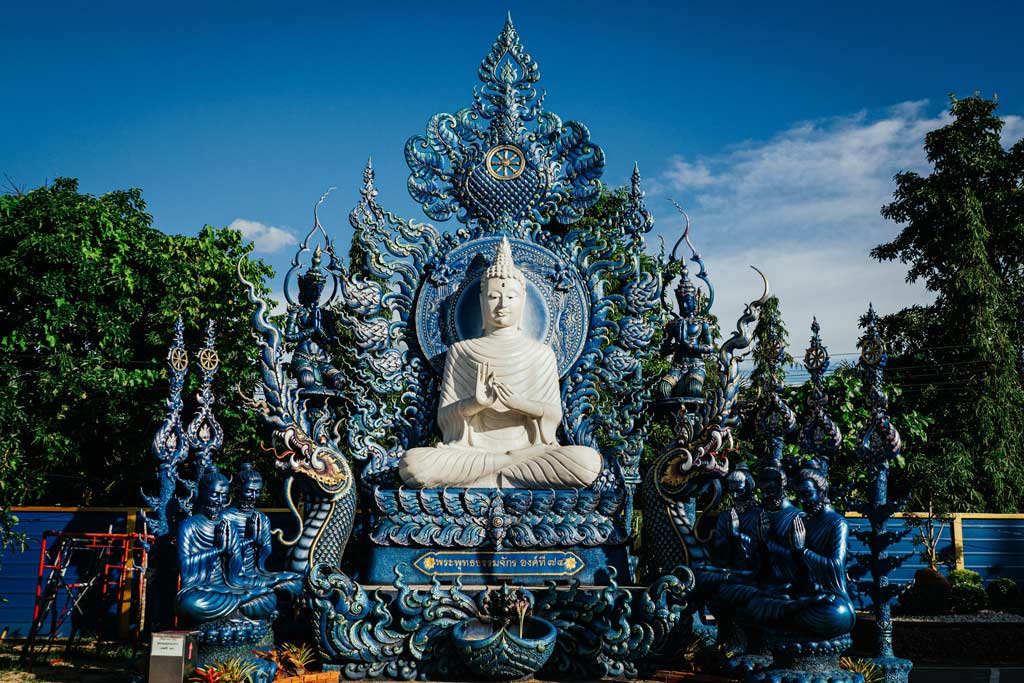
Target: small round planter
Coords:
[[500, 654]]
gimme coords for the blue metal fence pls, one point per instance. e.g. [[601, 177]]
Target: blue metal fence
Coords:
[[992, 545]]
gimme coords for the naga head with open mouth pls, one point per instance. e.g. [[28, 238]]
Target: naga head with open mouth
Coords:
[[314, 459]]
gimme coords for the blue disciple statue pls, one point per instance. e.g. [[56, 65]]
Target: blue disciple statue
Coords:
[[252, 528], [738, 530], [777, 523], [816, 602], [215, 594]]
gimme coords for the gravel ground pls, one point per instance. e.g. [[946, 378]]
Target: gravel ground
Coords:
[[106, 665], [984, 617]]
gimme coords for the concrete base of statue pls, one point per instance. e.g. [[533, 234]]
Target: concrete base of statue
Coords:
[[894, 669], [797, 658]]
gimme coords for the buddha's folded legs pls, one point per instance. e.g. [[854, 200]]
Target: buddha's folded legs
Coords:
[[539, 467], [551, 467], [261, 604], [199, 604]]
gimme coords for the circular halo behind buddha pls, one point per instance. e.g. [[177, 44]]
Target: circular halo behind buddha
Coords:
[[448, 309]]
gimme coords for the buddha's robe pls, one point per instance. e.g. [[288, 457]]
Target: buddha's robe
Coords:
[[777, 545], [212, 584], [497, 447], [253, 532]]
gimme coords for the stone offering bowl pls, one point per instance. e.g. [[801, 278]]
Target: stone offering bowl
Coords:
[[499, 653]]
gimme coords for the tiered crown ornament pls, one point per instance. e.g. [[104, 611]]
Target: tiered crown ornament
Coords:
[[504, 266], [504, 159]]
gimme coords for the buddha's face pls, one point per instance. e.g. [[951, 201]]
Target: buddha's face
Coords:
[[502, 303], [215, 498], [773, 491], [249, 494], [740, 489], [810, 497]]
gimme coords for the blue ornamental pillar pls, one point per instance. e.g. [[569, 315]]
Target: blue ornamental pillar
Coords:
[[775, 419], [878, 446]]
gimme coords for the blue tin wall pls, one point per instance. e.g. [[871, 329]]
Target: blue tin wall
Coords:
[[19, 570], [992, 545]]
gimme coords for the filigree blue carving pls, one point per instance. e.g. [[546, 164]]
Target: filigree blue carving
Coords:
[[204, 433], [516, 518], [484, 163], [407, 634], [169, 446]]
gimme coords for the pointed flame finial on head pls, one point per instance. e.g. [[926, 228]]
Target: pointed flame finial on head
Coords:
[[503, 266]]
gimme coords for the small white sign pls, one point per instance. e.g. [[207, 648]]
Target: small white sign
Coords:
[[168, 646]]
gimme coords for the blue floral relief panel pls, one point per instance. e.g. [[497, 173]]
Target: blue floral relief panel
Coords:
[[556, 311]]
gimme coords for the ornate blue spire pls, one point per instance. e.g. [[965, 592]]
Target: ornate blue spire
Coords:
[[820, 436], [169, 446], [776, 418], [204, 433], [504, 160]]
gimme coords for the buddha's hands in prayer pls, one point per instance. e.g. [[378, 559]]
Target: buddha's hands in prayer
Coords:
[[798, 534], [518, 404], [734, 522], [485, 395], [220, 537], [764, 527]]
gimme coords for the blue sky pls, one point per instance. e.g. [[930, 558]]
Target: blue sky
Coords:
[[777, 126]]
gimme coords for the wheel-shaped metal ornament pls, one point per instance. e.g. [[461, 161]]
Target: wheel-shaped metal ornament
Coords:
[[816, 359], [505, 162], [872, 352], [178, 359], [208, 359]]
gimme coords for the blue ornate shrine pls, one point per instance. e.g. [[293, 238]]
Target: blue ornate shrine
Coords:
[[496, 582]]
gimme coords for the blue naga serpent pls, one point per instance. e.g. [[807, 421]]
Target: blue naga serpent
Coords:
[[693, 467], [311, 456]]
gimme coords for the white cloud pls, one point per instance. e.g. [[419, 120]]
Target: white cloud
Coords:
[[836, 284], [804, 207], [265, 238]]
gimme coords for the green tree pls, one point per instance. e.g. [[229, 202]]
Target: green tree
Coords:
[[769, 326], [87, 310], [959, 359]]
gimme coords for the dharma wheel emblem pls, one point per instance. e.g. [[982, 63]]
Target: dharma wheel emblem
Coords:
[[505, 162], [208, 359], [816, 359], [179, 359], [872, 352]]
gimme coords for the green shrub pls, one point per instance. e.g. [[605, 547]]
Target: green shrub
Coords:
[[930, 593], [968, 598], [1003, 593], [959, 577]]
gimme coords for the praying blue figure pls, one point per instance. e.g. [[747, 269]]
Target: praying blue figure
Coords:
[[776, 524], [213, 585], [818, 602], [738, 530], [252, 528]]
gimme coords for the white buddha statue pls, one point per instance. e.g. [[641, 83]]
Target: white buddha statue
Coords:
[[500, 405]]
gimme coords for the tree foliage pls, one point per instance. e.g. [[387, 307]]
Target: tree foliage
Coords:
[[91, 293], [959, 359]]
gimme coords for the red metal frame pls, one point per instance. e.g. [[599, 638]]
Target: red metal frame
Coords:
[[124, 557]]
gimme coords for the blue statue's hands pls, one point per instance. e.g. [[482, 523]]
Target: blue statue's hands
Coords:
[[220, 537], [798, 533]]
